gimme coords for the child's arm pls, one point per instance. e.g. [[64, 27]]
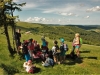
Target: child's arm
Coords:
[[25, 64]]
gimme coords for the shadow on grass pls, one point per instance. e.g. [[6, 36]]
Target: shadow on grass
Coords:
[[87, 51], [89, 58], [73, 59], [9, 69], [37, 70], [37, 60]]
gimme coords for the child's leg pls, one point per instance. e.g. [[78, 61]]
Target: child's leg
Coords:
[[78, 53], [54, 58], [27, 57], [73, 48], [77, 50]]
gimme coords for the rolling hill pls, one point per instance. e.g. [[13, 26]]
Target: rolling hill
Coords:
[[88, 64]]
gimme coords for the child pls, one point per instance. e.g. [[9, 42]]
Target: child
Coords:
[[29, 67], [31, 48], [25, 50], [55, 49], [63, 49], [44, 46], [76, 43], [48, 61]]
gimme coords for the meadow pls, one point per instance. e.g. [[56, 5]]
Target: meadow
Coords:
[[88, 64]]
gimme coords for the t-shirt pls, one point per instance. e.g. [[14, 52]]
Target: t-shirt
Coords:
[[54, 49], [25, 48], [30, 46], [17, 36]]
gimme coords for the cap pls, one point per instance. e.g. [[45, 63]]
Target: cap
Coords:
[[62, 40]]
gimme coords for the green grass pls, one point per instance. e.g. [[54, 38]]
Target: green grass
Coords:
[[89, 64]]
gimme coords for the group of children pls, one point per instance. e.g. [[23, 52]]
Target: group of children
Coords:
[[32, 50]]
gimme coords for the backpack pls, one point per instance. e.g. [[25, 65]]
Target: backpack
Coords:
[[64, 47], [81, 41]]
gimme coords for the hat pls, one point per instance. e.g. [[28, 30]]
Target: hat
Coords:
[[29, 61], [62, 40]]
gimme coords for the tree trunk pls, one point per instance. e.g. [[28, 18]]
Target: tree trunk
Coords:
[[6, 33], [13, 30], [8, 40]]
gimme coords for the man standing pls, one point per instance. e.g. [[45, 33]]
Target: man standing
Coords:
[[18, 36]]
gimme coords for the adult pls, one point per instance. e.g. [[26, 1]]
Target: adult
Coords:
[[17, 38]]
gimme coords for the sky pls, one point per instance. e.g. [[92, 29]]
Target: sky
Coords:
[[63, 12]]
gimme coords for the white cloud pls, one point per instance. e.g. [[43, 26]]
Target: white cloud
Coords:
[[87, 16], [63, 10], [67, 14], [36, 19], [15, 0], [97, 8], [70, 14], [29, 19], [64, 14], [59, 20], [28, 6], [47, 11]]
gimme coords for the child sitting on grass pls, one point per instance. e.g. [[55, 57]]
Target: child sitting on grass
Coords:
[[48, 61], [29, 67]]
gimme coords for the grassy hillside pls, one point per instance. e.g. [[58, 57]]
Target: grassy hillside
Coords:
[[88, 64], [67, 32]]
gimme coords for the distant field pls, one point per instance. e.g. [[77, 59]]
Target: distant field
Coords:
[[88, 64]]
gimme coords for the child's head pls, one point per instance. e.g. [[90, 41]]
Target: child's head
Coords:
[[29, 62], [55, 42], [30, 40], [77, 35], [18, 30], [46, 55], [43, 38]]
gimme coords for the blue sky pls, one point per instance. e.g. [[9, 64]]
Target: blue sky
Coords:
[[78, 12]]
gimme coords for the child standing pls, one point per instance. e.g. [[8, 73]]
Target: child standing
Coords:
[[63, 49], [76, 44], [44, 46], [55, 49]]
